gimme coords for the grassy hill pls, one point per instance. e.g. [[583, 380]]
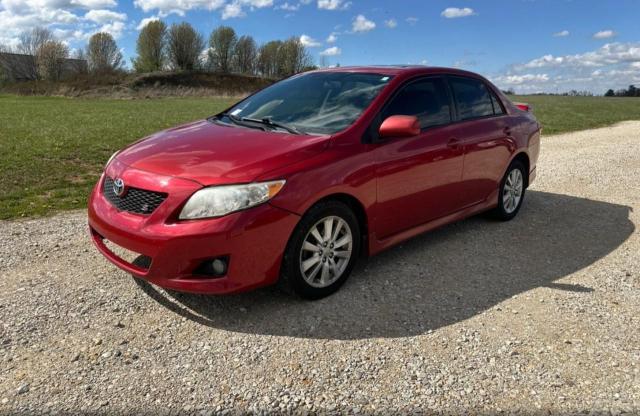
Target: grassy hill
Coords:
[[152, 85]]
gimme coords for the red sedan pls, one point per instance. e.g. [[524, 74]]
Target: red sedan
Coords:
[[295, 182]]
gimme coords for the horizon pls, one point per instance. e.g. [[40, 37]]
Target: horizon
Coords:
[[597, 49]]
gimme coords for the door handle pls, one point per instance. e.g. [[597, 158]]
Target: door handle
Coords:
[[507, 131], [453, 144]]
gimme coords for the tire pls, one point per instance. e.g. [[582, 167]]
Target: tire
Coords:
[[300, 273], [510, 197]]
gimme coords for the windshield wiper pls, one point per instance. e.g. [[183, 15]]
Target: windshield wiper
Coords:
[[239, 121], [268, 122]]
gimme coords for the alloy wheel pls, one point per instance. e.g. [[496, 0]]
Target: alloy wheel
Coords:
[[326, 251], [512, 191]]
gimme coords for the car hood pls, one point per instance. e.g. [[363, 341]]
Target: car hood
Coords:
[[213, 154]]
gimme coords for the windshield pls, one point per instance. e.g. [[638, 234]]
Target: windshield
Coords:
[[314, 103]]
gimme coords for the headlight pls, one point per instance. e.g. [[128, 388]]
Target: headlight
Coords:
[[217, 201]]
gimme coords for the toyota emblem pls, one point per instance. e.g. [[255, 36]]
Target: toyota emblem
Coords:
[[118, 187]]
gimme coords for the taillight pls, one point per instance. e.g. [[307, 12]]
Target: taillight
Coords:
[[523, 107]]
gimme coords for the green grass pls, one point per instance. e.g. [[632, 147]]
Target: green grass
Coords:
[[564, 114], [52, 150]]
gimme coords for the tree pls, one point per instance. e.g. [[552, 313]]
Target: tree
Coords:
[[103, 54], [184, 46], [293, 57], [610, 93], [151, 47], [222, 43], [29, 44], [50, 59], [246, 53], [268, 59]]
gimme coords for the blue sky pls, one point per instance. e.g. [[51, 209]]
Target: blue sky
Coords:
[[527, 45]]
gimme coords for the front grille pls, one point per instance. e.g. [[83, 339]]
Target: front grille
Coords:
[[137, 201]]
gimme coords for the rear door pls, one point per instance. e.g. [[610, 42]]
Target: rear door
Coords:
[[483, 127], [418, 178]]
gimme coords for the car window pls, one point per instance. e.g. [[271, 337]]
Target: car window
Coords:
[[317, 102], [472, 98], [497, 107], [427, 99]]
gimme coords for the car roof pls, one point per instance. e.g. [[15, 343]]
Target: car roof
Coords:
[[399, 70]]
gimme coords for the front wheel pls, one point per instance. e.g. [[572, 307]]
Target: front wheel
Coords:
[[322, 251], [512, 189]]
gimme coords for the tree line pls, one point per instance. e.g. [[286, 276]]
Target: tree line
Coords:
[[632, 91], [178, 47]]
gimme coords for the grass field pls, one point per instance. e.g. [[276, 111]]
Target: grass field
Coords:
[[564, 114], [53, 149]]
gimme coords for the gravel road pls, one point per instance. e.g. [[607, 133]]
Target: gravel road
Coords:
[[538, 315]]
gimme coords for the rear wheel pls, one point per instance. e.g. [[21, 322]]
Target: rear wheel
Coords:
[[322, 251], [512, 190]]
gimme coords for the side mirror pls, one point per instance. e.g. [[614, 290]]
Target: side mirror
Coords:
[[400, 126]]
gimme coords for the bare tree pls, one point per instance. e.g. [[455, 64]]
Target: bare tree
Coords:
[[222, 43], [184, 46], [103, 53], [246, 53], [29, 44], [151, 47], [268, 59], [50, 59], [293, 57]]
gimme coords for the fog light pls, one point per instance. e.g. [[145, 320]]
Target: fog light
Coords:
[[219, 267], [216, 267]]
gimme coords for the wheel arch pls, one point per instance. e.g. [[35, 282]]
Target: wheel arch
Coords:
[[524, 158], [358, 209]]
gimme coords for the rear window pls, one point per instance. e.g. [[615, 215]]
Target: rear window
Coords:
[[472, 98]]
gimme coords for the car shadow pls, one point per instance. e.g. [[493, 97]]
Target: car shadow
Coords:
[[437, 279]]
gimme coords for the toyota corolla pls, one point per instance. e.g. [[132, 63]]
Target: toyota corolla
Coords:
[[296, 182]]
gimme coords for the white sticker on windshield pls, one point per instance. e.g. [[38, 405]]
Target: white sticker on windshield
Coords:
[[384, 79], [236, 111]]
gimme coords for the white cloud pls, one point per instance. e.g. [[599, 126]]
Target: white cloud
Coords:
[[66, 18], [333, 4], [93, 4], [288, 7], [604, 34], [614, 65], [454, 12], [146, 21], [232, 10], [521, 79], [309, 42], [609, 54], [561, 34], [114, 28], [332, 38], [332, 51], [412, 20], [104, 16], [391, 23], [179, 7], [361, 24]]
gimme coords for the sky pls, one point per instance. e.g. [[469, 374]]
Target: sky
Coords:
[[525, 45]]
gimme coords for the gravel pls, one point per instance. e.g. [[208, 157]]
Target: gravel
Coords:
[[538, 315]]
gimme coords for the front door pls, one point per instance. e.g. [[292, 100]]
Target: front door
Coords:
[[418, 178]]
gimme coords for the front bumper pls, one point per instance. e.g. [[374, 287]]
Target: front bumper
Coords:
[[253, 240]]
